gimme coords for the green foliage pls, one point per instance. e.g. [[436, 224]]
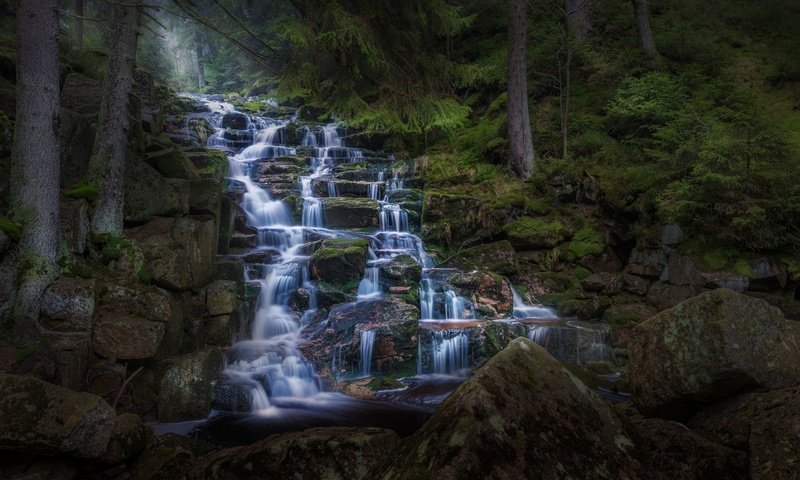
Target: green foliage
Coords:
[[24, 353], [84, 191], [643, 104]]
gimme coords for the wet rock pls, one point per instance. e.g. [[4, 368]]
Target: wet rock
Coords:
[[38, 417], [210, 164], [178, 251], [711, 346], [646, 263], [671, 235], [74, 224], [172, 163], [300, 299], [664, 295], [680, 270], [350, 213], [219, 330], [148, 194], [220, 297], [68, 305], [521, 398], [185, 391], [402, 271], [498, 257], [230, 397], [339, 261], [492, 293], [128, 439], [606, 283], [765, 425], [336, 452], [669, 451]]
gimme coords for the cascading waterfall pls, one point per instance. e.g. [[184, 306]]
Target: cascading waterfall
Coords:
[[367, 345], [523, 310], [450, 351], [369, 288]]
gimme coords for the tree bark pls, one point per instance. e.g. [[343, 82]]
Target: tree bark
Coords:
[[107, 163], [520, 140], [578, 23], [35, 167], [641, 17], [79, 13]]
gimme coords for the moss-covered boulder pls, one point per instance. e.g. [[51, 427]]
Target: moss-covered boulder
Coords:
[[402, 271], [530, 233], [337, 452], [39, 417], [498, 257], [586, 241], [68, 305], [528, 414], [624, 317], [210, 164], [340, 212], [148, 194], [340, 261], [185, 391], [172, 163], [711, 346], [765, 425]]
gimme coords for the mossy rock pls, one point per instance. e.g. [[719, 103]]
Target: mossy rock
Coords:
[[586, 241], [339, 212], [173, 164], [498, 257], [530, 233], [340, 261], [212, 164], [402, 271]]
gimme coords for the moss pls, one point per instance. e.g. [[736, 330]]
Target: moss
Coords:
[[384, 383], [716, 260], [582, 272], [412, 297], [10, 228], [742, 267], [587, 241], [24, 353], [83, 191], [529, 232]]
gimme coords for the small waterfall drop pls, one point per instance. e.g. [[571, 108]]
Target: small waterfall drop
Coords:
[[450, 351], [367, 345]]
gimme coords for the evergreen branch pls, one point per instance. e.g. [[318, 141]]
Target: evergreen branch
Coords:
[[247, 30]]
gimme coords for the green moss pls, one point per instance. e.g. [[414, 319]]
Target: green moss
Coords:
[[716, 260], [582, 272], [83, 191], [587, 241], [384, 383], [24, 353], [412, 297], [10, 228], [742, 267], [529, 232]]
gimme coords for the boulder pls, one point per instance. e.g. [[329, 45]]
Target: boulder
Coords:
[[525, 412], [185, 391], [82, 94], [41, 418], [671, 235], [220, 296], [210, 164], [336, 452], [646, 263], [664, 295], [402, 271], [68, 305], [622, 318], [498, 257], [340, 261], [714, 345], [126, 337], [605, 283], [680, 270], [340, 212], [70, 353], [148, 194], [723, 279], [219, 330], [172, 163], [492, 293], [635, 284], [178, 252], [529, 233], [765, 425], [128, 439]]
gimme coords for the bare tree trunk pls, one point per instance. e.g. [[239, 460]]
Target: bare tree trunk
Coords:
[[520, 139], [578, 23], [198, 58], [107, 164], [641, 17], [35, 167], [79, 13]]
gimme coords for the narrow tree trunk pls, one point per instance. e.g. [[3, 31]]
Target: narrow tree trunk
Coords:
[[578, 22], [107, 163], [520, 141], [35, 167], [198, 58], [79, 24], [641, 17]]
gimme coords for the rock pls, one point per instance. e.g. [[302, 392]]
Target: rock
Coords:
[[19, 466], [185, 392], [82, 94], [220, 297], [529, 233], [74, 224], [148, 194], [729, 280], [127, 337], [41, 418], [162, 462], [341, 212], [68, 305], [664, 295], [714, 345], [680, 270], [178, 251], [527, 413], [606, 283], [340, 261], [492, 293], [70, 353], [402, 271], [4, 242], [768, 274], [635, 284], [128, 439], [765, 425], [210, 164], [230, 397], [172, 163], [669, 451], [335, 452], [498, 257], [646, 263], [622, 318], [671, 235]]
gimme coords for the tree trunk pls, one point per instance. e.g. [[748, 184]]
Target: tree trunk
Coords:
[[35, 167], [578, 22], [198, 58], [520, 141], [107, 163], [79, 24], [641, 17]]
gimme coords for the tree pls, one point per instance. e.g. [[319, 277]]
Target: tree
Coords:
[[520, 140], [577, 13], [35, 168], [641, 17], [107, 163], [79, 12]]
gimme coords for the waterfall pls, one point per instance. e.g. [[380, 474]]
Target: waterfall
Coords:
[[450, 351], [370, 286], [372, 190], [367, 344], [393, 218], [332, 191], [439, 302], [523, 310]]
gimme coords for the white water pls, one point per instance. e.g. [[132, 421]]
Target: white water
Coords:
[[450, 351], [370, 286], [367, 344], [523, 310]]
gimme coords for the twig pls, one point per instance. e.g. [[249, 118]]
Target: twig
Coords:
[[125, 384]]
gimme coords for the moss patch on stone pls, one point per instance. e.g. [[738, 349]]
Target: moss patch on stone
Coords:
[[587, 241], [535, 233]]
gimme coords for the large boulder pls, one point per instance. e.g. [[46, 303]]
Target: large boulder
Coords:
[[178, 252], [68, 305], [530, 233], [340, 261], [402, 271], [185, 392], [525, 412], [148, 194], [713, 345], [173, 163], [765, 425], [38, 417], [332, 453], [340, 212]]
